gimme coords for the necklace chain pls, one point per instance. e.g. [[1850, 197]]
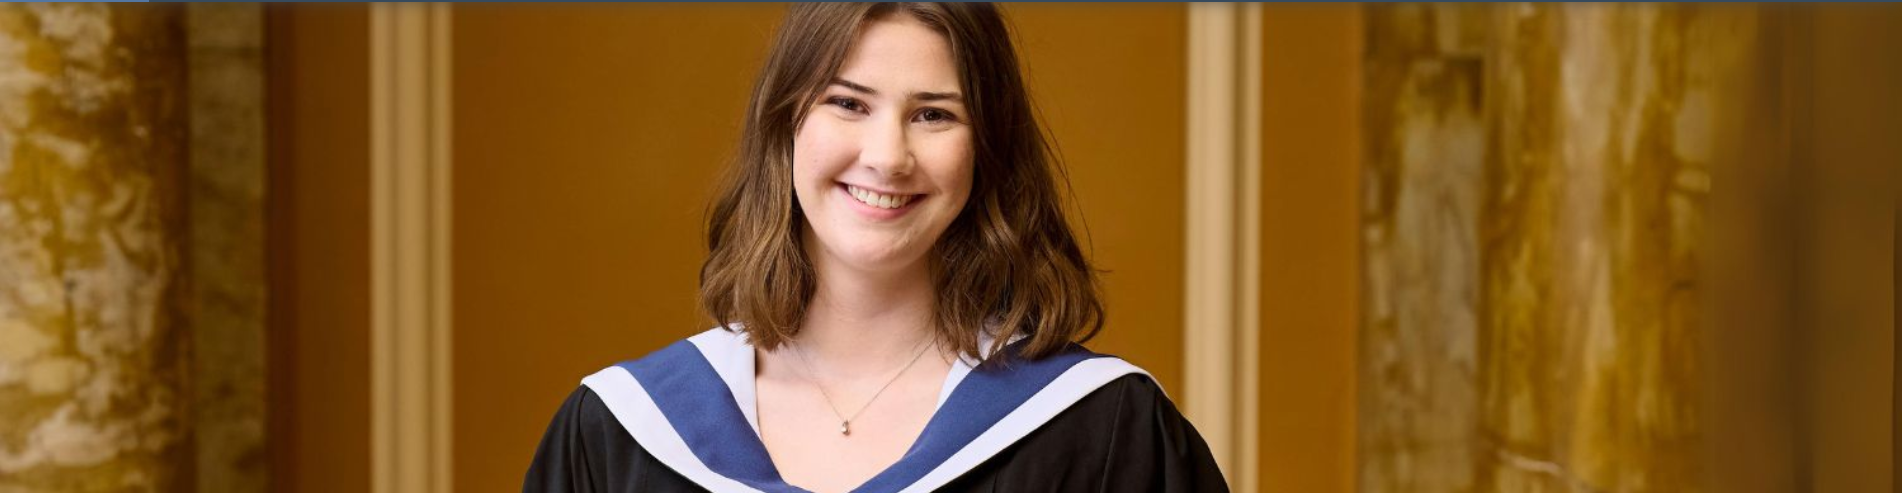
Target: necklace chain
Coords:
[[845, 423]]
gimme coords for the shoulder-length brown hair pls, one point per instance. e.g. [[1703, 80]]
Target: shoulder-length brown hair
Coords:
[[1008, 263]]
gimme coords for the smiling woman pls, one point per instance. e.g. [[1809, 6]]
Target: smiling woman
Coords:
[[898, 297]]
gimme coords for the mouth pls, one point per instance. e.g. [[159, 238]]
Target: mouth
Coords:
[[881, 200]]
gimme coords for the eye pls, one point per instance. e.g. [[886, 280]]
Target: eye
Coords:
[[845, 103], [935, 116]]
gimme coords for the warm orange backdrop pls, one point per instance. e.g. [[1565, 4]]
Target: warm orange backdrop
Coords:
[[1109, 79], [1310, 245], [318, 247], [586, 139]]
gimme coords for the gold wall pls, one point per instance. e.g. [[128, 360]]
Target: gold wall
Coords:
[[318, 232], [1310, 240], [586, 141], [1109, 81]]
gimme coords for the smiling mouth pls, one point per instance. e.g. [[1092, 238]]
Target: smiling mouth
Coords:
[[880, 200]]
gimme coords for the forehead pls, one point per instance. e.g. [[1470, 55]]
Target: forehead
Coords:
[[898, 53]]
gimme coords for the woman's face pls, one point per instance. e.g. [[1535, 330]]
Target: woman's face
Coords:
[[882, 163]]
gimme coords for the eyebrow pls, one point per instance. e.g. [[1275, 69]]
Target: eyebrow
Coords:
[[920, 96]]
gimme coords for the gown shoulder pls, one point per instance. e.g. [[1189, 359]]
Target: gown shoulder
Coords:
[[586, 450], [1126, 436]]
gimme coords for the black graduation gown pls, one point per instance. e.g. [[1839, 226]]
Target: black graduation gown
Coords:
[[674, 421]]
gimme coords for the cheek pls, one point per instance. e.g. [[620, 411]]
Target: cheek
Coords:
[[817, 156], [955, 170], [958, 187]]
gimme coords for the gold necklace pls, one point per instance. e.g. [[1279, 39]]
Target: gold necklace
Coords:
[[845, 423]]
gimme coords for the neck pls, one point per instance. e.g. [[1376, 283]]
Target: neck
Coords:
[[868, 321]]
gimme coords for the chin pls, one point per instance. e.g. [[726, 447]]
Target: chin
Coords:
[[876, 256]]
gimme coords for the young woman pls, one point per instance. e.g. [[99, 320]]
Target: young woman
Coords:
[[898, 295]]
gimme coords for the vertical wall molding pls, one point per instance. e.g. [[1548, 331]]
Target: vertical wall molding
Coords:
[[1248, 352], [1221, 318], [410, 219]]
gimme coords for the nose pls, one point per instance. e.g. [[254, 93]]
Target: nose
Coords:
[[886, 150]]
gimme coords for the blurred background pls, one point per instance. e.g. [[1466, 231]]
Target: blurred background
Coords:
[[1452, 247]]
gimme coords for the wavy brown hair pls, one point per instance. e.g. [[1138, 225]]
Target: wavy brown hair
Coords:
[[1009, 261]]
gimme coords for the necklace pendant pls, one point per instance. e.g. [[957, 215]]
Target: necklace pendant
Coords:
[[845, 428]]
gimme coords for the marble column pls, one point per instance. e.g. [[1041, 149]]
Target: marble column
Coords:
[[1535, 224], [93, 355], [1425, 158]]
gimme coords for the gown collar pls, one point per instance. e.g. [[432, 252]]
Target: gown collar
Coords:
[[733, 358], [692, 405]]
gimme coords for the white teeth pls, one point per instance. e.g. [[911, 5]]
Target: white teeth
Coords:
[[879, 200]]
